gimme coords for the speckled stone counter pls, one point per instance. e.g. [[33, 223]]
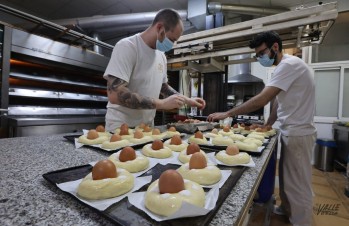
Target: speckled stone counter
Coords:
[[26, 198]]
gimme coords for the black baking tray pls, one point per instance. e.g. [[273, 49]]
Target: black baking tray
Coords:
[[134, 146], [123, 213]]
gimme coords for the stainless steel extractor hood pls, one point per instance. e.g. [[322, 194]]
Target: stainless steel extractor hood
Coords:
[[241, 73]]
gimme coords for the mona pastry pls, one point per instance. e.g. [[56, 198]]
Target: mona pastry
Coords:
[[176, 144], [101, 131], [226, 131], [115, 142], [157, 135], [124, 131], [171, 132], [165, 195], [192, 148], [213, 133], [198, 138], [92, 137], [232, 156], [128, 159], [247, 146], [156, 150], [222, 141], [198, 171], [139, 138], [105, 181]]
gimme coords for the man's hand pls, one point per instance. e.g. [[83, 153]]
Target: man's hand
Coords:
[[196, 102], [217, 116], [171, 102]]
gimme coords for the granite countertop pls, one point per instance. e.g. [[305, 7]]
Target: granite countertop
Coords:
[[26, 198]]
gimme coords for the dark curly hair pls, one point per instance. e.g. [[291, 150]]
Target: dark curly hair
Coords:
[[268, 37]]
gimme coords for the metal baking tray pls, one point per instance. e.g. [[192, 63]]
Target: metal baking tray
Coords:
[[123, 213]]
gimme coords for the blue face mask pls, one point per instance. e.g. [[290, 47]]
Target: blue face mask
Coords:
[[165, 45], [266, 61]]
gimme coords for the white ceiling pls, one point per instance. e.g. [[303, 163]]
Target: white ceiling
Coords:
[[64, 9]]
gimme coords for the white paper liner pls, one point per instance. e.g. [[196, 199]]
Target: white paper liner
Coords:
[[72, 188], [214, 159], [186, 210], [176, 161], [152, 163]]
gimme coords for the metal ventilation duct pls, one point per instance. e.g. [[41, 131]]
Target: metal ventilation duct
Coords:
[[121, 20], [216, 7]]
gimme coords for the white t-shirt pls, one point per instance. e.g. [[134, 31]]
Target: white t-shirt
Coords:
[[145, 69], [297, 96]]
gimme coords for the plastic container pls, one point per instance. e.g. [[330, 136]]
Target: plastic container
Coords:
[[324, 154]]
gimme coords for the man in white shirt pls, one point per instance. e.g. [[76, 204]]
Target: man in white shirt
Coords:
[[293, 88], [137, 74]]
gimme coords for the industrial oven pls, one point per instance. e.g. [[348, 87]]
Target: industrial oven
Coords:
[[49, 87]]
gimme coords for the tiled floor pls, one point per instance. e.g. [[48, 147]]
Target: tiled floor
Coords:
[[329, 190]]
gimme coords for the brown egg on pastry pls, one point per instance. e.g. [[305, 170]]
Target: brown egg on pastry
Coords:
[[235, 126], [199, 135], [197, 161], [100, 128], [124, 129], [156, 131], [192, 148], [247, 128], [115, 137], [157, 145], [127, 154], [171, 182], [142, 125], [147, 128], [226, 129], [232, 150], [104, 169], [176, 140], [138, 134], [172, 129], [92, 134]]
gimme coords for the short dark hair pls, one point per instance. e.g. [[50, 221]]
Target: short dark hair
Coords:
[[268, 37], [169, 17]]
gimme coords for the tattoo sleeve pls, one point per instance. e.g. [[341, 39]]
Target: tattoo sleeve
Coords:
[[118, 93], [167, 90]]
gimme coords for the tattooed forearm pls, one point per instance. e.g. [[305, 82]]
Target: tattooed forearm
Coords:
[[167, 90], [118, 93]]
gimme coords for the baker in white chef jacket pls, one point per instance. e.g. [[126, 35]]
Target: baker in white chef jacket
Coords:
[[292, 86]]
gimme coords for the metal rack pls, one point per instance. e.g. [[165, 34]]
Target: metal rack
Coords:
[[211, 48]]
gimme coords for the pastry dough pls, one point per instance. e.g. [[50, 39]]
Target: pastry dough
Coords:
[[177, 148], [106, 188], [158, 137], [184, 158], [142, 140], [253, 140], [115, 145], [241, 158], [167, 204], [221, 132], [237, 137], [211, 135], [171, 133], [206, 176], [246, 146], [256, 136], [160, 154], [192, 139], [133, 166], [83, 139], [223, 141], [130, 132], [104, 134]]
